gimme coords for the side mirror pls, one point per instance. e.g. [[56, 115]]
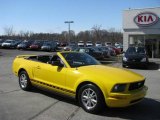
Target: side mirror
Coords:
[[56, 63]]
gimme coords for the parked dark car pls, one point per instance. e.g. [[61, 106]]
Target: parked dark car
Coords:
[[49, 46], [36, 45], [136, 57], [72, 43], [63, 44], [105, 51], [91, 51], [25, 44]]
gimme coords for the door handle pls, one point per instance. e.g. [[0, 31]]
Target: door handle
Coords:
[[38, 67]]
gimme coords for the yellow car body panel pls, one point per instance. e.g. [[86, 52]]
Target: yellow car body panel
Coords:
[[66, 80]]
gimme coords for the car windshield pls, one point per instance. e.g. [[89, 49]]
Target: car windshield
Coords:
[[25, 42], [79, 59], [8, 41], [98, 42], [47, 44], [136, 50]]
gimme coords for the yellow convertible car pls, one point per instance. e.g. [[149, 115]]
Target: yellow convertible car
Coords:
[[80, 76]]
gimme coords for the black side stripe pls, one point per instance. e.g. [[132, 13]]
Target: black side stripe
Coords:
[[52, 86]]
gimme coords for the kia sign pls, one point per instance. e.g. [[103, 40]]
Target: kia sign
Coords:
[[146, 19]]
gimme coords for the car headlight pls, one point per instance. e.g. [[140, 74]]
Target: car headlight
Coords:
[[119, 88], [124, 58], [143, 60]]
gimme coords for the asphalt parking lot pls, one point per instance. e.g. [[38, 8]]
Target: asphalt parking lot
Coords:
[[16, 104]]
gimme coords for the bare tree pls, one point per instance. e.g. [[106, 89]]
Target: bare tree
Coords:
[[9, 31], [25, 34], [97, 33]]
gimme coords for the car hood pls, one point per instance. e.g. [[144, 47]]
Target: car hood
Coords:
[[46, 46], [114, 74], [22, 45], [6, 43]]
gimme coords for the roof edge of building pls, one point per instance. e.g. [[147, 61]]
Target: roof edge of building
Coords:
[[141, 8]]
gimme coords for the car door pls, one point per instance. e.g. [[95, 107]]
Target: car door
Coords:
[[50, 74]]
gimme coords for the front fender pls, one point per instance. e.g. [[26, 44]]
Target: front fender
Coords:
[[98, 83]]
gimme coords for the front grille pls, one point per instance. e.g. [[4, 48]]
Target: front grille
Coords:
[[136, 85], [134, 60]]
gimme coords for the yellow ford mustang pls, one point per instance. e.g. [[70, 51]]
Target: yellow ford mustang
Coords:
[[80, 76]]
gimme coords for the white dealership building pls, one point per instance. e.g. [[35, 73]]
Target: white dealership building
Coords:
[[142, 27]]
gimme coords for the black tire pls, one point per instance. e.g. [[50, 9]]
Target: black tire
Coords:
[[95, 102], [24, 81], [123, 65]]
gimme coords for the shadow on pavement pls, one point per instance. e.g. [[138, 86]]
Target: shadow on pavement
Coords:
[[54, 95], [151, 66], [148, 109], [154, 66]]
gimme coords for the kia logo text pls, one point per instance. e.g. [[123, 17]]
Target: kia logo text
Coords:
[[146, 19]]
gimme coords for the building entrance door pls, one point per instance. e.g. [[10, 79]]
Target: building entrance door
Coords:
[[153, 48]]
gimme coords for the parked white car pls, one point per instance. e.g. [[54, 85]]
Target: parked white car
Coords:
[[89, 44], [81, 44], [98, 44], [7, 43], [108, 44]]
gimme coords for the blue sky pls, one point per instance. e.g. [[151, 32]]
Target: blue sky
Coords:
[[49, 15]]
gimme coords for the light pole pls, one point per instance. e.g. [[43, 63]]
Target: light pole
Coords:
[[69, 22]]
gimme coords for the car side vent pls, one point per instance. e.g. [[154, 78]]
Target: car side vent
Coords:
[[136, 85]]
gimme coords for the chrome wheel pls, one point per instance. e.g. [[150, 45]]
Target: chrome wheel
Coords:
[[89, 98], [23, 80]]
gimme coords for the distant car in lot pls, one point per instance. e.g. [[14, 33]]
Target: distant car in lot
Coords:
[[104, 50], [10, 43], [70, 48], [116, 50], [25, 44], [36, 45], [7, 43], [91, 51], [57, 42], [89, 44], [135, 56], [49, 46], [80, 76], [98, 44], [63, 44], [1, 41], [72, 43], [119, 46], [81, 44], [108, 44]]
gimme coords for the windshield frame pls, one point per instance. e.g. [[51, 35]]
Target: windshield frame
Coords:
[[136, 50], [74, 60]]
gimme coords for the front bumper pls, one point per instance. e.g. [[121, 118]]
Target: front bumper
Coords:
[[126, 99], [6, 46], [140, 64], [45, 49]]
